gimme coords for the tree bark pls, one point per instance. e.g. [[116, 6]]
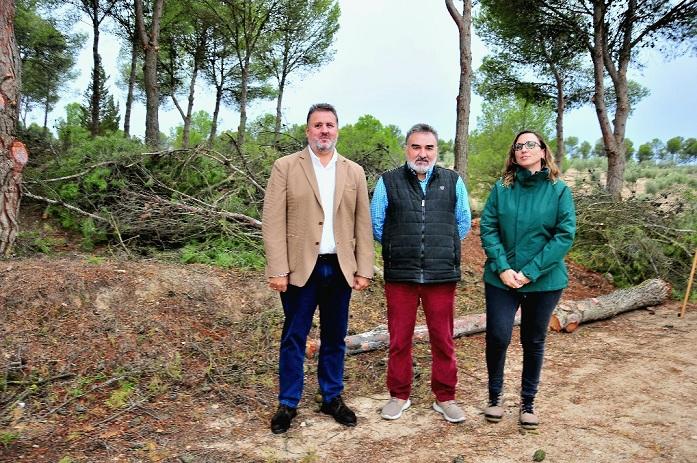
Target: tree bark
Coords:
[[96, 60], [13, 154], [613, 139], [150, 44], [569, 314], [131, 88], [279, 114], [561, 107], [566, 317], [216, 112], [463, 22], [244, 87]]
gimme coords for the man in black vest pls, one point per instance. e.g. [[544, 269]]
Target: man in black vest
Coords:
[[420, 212]]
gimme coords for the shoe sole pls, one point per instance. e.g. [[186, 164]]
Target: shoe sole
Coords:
[[349, 424], [493, 419], [406, 405], [437, 408], [529, 427]]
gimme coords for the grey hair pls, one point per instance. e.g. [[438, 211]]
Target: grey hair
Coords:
[[322, 107], [421, 127]]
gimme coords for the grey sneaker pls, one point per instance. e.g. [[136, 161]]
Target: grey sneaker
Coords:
[[450, 411], [528, 418], [494, 412], [394, 408]]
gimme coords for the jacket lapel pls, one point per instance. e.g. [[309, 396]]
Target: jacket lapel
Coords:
[[341, 173], [306, 163]]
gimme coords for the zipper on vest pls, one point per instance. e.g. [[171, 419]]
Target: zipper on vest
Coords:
[[423, 238]]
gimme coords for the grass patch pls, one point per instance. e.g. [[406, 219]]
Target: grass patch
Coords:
[[7, 438], [120, 396]]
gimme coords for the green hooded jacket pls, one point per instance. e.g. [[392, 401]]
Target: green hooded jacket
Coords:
[[529, 226]]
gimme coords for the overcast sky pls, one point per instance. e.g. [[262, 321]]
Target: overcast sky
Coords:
[[398, 60]]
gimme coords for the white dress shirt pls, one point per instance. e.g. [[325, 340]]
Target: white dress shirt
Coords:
[[326, 180]]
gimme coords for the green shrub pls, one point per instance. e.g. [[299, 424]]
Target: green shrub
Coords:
[[224, 252], [586, 164], [651, 188]]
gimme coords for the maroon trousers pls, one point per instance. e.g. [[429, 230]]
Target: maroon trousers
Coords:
[[438, 301]]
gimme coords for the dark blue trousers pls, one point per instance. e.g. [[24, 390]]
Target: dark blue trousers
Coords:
[[328, 289], [536, 309]]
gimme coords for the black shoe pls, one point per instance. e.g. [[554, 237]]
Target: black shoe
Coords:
[[338, 409], [280, 422]]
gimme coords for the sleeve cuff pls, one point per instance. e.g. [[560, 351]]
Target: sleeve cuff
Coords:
[[531, 272], [279, 275]]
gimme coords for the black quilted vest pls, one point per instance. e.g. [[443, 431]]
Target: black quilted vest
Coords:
[[420, 241]]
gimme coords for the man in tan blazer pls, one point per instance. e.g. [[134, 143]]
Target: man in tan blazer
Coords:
[[318, 242]]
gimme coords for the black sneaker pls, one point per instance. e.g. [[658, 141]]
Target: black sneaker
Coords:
[[280, 422], [341, 413]]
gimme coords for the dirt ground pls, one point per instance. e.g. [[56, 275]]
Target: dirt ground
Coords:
[[616, 391], [114, 360]]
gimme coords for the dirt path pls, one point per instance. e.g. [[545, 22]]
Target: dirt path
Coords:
[[623, 390]]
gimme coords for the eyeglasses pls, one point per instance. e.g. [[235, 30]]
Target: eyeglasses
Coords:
[[528, 144]]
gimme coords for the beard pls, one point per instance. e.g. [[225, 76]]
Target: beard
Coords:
[[324, 146], [420, 169]]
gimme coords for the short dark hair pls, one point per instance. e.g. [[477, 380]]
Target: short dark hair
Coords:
[[321, 107], [421, 127]]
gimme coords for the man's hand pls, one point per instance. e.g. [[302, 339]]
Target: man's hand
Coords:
[[360, 283], [508, 277], [279, 284]]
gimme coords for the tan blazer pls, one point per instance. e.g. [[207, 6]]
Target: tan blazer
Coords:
[[292, 219]]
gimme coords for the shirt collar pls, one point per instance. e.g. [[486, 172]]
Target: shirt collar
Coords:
[[316, 160]]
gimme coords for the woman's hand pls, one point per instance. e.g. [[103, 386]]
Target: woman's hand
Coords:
[[521, 278], [509, 278]]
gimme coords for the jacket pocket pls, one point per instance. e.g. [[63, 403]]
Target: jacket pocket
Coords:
[[293, 244]]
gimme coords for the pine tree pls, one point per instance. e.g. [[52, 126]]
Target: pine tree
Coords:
[[108, 110]]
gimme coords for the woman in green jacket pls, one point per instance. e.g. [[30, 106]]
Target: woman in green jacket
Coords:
[[527, 227]]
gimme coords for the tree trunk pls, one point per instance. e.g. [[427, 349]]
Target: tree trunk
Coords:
[[13, 154], [46, 110], [216, 112], [150, 44], [463, 22], [152, 96], [559, 155], [613, 140], [94, 110], [566, 317], [279, 102], [131, 87], [186, 136], [243, 106]]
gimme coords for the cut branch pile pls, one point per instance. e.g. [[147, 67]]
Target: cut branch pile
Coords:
[[158, 202], [566, 317]]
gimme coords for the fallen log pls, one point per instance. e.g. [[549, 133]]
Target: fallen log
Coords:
[[569, 314], [379, 337], [566, 317]]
